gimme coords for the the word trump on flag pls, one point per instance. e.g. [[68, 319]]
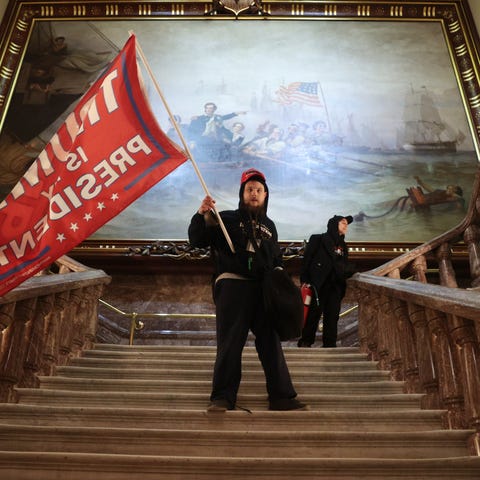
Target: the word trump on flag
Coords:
[[108, 152], [299, 92]]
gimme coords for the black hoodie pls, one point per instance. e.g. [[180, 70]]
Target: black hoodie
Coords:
[[326, 257], [242, 229]]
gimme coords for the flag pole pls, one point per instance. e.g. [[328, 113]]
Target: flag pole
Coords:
[[182, 138], [326, 108]]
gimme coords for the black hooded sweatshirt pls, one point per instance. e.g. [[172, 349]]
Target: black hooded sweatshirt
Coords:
[[326, 258]]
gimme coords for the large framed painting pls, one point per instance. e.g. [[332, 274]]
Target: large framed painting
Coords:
[[369, 109]]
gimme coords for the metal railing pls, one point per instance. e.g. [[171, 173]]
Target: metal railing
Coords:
[[136, 324]]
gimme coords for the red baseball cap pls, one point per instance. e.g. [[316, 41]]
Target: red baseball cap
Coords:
[[252, 172]]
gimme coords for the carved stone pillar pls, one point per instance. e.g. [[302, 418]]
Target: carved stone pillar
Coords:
[[396, 361], [472, 240], [35, 347], [419, 269], [394, 273], [17, 338], [372, 323], [364, 319], [52, 334], [407, 346], [93, 294], [426, 364], [80, 321], [463, 334], [67, 327], [6, 321], [446, 271], [384, 328], [448, 371]]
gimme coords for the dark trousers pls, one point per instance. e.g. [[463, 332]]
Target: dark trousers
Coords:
[[329, 303], [239, 308]]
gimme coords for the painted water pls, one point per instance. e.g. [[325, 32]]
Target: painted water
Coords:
[[305, 191]]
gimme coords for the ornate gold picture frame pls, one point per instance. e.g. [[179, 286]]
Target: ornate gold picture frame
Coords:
[[359, 72]]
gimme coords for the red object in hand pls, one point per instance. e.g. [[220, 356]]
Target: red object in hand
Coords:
[[307, 293]]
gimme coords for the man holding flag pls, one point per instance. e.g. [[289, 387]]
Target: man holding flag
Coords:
[[108, 152]]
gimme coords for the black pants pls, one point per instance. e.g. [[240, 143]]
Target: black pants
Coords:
[[329, 303], [239, 308]]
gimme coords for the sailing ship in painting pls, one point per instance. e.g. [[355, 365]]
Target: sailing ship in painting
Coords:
[[424, 129]]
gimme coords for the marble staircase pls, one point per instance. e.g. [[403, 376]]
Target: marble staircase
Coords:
[[120, 412]]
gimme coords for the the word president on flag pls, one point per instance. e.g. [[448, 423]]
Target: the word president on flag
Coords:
[[107, 153]]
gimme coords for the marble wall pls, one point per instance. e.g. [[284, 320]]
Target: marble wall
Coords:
[[177, 293]]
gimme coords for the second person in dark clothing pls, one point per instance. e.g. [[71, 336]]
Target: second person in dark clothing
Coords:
[[325, 268]]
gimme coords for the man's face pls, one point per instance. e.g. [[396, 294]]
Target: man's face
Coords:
[[209, 109], [342, 226], [254, 195]]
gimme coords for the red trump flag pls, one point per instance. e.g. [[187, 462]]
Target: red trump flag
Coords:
[[108, 152]]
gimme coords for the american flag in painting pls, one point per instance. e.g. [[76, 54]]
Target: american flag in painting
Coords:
[[300, 92]]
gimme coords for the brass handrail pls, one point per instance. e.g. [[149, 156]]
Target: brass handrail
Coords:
[[349, 310], [136, 324]]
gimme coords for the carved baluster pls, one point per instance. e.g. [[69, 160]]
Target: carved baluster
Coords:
[[52, 334], [384, 332], [80, 321], [396, 360], [419, 269], [447, 368], [18, 338], [6, 349], [372, 333], [426, 365], [472, 240], [34, 354], [463, 333], [446, 271], [363, 319], [67, 326], [394, 273], [407, 346], [94, 293]]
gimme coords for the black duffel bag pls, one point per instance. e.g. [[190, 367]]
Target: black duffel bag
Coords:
[[283, 303]]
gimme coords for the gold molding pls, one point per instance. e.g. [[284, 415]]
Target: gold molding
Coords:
[[111, 10], [297, 9], [396, 11], [79, 10], [330, 10], [145, 10], [179, 9], [429, 11], [363, 10]]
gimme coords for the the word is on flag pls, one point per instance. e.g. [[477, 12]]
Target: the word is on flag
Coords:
[[108, 152]]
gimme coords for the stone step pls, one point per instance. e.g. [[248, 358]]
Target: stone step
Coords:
[[321, 420], [81, 466], [214, 443], [192, 362], [208, 353], [287, 347], [204, 386], [194, 400], [139, 413], [196, 373]]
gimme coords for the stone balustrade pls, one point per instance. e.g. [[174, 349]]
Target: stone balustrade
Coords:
[[45, 321], [427, 335]]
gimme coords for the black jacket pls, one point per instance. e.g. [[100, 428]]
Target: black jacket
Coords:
[[239, 227], [324, 261]]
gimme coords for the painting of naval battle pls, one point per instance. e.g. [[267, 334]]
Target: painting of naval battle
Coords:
[[352, 118]]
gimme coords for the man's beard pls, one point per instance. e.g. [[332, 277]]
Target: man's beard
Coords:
[[254, 211]]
